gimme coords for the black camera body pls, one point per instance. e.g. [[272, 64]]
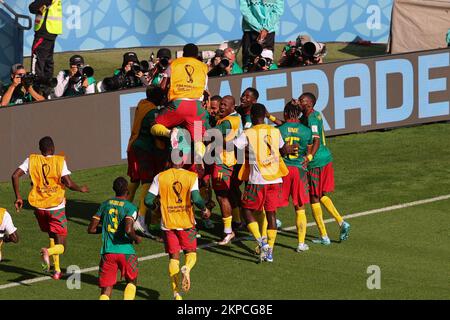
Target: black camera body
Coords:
[[219, 69], [121, 81], [28, 79]]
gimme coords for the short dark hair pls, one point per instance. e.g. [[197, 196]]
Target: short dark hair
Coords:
[[310, 96], [216, 98], [292, 111], [258, 111], [190, 50], [45, 144], [253, 91], [120, 186], [155, 94]]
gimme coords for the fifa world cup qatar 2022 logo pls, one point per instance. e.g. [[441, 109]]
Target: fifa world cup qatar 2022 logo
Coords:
[[177, 188]]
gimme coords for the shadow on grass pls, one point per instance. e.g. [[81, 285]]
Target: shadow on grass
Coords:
[[80, 212], [364, 49], [142, 292], [22, 273]]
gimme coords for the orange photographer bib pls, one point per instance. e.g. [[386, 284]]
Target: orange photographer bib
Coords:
[[45, 173], [175, 191], [228, 158], [264, 143], [188, 78]]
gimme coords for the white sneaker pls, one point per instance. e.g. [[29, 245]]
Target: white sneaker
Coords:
[[302, 247], [140, 226], [174, 138], [227, 239]]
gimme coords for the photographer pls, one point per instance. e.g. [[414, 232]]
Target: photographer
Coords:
[[76, 81], [21, 88], [158, 74], [303, 52], [260, 22], [131, 75], [227, 65], [262, 60]]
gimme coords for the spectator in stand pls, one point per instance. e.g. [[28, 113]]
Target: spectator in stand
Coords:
[[261, 20], [76, 81], [21, 88]]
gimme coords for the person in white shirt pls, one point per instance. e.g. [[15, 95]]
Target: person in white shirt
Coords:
[[8, 232]]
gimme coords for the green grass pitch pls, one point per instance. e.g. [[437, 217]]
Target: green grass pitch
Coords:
[[372, 170]]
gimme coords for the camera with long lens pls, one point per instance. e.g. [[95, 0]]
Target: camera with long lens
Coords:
[[163, 63], [256, 50], [82, 73], [28, 79], [142, 66], [220, 69], [121, 81]]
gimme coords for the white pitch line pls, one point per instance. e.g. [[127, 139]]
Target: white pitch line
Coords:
[[213, 244]]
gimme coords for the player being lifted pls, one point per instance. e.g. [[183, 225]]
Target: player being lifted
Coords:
[[295, 184], [188, 81], [228, 125], [177, 189], [117, 216], [264, 173], [147, 154], [49, 177], [320, 170]]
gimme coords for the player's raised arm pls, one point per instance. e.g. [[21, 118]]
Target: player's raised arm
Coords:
[[18, 204]]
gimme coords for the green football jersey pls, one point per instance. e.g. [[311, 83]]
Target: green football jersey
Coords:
[[146, 141], [296, 133], [323, 155], [112, 215]]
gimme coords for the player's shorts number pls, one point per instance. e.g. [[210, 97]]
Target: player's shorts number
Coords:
[[290, 141], [113, 228]]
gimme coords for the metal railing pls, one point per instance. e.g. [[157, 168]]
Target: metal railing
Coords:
[[18, 17]]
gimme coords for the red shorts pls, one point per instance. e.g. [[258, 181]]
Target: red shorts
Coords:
[[176, 240], [53, 221], [295, 185], [262, 196], [111, 262], [186, 113], [144, 166], [321, 180], [221, 177], [235, 182]]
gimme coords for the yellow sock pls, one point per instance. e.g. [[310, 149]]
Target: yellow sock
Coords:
[[160, 130], [104, 297], [236, 213], [300, 222], [56, 249], [130, 292], [227, 225], [132, 187], [254, 230], [271, 237], [263, 223], [191, 259], [52, 242], [326, 201], [318, 217], [142, 207], [174, 271]]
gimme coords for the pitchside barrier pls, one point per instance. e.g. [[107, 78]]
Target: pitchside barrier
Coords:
[[354, 96]]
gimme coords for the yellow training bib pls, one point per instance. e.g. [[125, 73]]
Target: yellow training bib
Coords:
[[175, 191], [45, 173], [187, 79]]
